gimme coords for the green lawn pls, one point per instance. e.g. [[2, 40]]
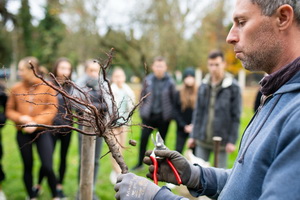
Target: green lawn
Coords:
[[14, 187]]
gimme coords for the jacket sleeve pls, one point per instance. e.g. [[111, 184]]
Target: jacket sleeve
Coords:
[[164, 193], [236, 107], [50, 109], [213, 181], [177, 111], [144, 88], [195, 119]]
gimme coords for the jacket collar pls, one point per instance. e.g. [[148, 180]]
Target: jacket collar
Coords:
[[226, 82], [273, 83]]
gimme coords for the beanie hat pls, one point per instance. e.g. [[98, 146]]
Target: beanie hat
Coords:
[[189, 71]]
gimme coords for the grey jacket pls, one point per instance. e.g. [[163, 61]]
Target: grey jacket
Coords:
[[167, 100], [227, 110]]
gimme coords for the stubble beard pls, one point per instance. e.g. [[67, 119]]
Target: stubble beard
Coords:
[[264, 56]]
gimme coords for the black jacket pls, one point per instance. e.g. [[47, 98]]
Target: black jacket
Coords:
[[227, 111], [167, 97]]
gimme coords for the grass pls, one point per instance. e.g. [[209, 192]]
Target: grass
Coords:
[[13, 185]]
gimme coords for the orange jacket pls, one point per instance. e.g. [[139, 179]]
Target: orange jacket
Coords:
[[33, 100]]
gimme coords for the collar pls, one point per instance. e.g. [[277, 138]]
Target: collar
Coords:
[[271, 83]]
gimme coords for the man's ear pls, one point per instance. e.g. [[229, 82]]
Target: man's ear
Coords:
[[284, 17]]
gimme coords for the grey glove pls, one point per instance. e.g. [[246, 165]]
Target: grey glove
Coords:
[[132, 187], [189, 174]]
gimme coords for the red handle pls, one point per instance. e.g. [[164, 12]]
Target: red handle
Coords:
[[174, 171], [154, 161]]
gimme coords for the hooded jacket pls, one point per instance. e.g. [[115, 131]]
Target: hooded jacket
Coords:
[[227, 110], [268, 164]]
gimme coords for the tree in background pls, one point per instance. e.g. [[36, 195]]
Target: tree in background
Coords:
[[70, 28], [51, 32], [25, 30], [5, 39]]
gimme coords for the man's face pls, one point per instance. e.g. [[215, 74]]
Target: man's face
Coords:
[[216, 67], [93, 70], [254, 37], [159, 69]]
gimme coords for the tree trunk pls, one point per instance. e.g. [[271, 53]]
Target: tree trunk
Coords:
[[87, 165]]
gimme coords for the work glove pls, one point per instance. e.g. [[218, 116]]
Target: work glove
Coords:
[[189, 174], [132, 187]]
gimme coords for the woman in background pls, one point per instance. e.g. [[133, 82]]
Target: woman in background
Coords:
[[124, 99], [30, 103], [185, 100], [62, 71]]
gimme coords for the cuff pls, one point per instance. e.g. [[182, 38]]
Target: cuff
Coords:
[[165, 193]]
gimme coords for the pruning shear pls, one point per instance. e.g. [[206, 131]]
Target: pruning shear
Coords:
[[159, 145]]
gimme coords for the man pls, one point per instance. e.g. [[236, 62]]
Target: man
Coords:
[[217, 112], [90, 82], [265, 35], [156, 110]]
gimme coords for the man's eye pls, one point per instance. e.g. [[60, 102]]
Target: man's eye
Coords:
[[241, 23]]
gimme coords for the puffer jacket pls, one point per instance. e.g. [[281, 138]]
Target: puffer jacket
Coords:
[[167, 97]]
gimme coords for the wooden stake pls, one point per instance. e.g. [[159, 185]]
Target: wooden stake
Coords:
[[217, 141], [87, 165]]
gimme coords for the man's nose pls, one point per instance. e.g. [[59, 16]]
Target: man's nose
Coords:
[[232, 37]]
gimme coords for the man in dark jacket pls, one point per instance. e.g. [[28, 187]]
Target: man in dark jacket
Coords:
[[217, 112], [157, 109]]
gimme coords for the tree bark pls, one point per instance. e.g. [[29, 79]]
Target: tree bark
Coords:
[[87, 165]]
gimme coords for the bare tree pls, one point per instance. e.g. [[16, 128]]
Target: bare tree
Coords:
[[101, 121]]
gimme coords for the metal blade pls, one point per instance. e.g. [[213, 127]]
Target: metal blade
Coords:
[[160, 145]]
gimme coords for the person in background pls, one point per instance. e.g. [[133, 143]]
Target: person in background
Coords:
[[31, 103], [62, 71], [156, 111], [90, 82], [217, 111], [3, 100], [124, 99], [185, 100]]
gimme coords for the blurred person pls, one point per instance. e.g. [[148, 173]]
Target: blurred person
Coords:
[[265, 35], [62, 71], [217, 111], [156, 111], [3, 100], [30, 103], [124, 99], [90, 82], [184, 104]]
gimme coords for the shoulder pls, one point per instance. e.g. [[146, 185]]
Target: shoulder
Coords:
[[17, 86]]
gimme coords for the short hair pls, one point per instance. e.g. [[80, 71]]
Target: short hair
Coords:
[[268, 7], [159, 59], [34, 61], [89, 62], [216, 54]]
